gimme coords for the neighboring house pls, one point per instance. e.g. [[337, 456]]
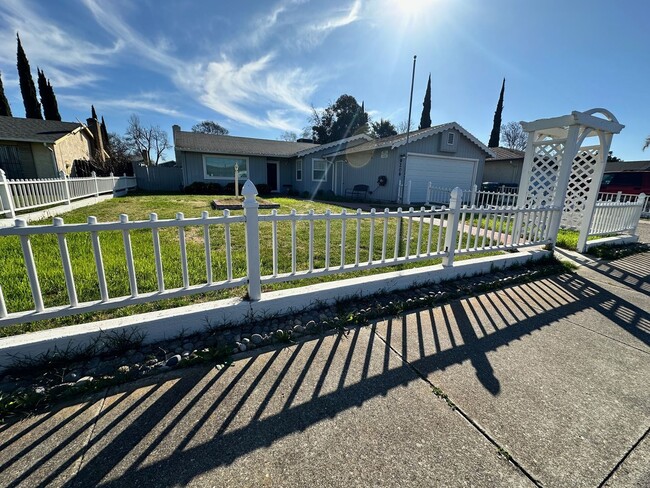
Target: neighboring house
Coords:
[[445, 155], [35, 148], [505, 167], [620, 166]]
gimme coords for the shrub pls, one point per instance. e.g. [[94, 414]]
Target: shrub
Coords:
[[263, 189], [229, 189], [203, 188]]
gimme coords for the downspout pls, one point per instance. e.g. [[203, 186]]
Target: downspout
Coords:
[[56, 167]]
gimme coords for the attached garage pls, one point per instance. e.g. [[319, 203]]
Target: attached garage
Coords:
[[441, 171]]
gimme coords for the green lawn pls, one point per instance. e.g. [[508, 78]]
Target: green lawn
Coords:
[[17, 293]]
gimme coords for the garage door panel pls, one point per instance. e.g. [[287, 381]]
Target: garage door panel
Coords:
[[441, 172]]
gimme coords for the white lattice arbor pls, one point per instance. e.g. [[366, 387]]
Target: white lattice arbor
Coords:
[[563, 168]]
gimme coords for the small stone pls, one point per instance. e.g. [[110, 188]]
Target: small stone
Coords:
[[257, 330], [123, 370], [242, 347], [71, 377], [39, 390], [246, 341], [173, 361], [185, 354], [299, 329], [235, 350], [257, 339], [84, 380], [297, 322]]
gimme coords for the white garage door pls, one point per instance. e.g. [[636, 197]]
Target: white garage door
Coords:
[[441, 172]]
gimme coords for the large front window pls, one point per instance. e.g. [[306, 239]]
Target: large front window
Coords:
[[319, 170], [223, 167]]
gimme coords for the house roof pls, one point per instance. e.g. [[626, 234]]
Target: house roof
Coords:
[[244, 146], [318, 147], [618, 166], [35, 130], [393, 142], [505, 153]]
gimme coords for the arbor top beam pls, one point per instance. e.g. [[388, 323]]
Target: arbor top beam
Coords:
[[586, 119]]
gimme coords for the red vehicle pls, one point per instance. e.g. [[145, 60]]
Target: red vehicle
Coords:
[[627, 182]]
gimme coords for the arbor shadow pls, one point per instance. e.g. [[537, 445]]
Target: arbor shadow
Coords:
[[173, 429]]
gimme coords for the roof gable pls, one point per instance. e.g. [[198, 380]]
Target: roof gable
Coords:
[[399, 140]]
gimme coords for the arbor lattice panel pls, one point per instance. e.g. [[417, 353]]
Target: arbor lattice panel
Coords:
[[542, 184], [581, 179]]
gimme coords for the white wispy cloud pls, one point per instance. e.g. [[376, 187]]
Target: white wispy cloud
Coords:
[[146, 102]]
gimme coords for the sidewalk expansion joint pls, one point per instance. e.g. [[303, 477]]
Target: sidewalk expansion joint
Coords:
[[443, 396], [625, 456], [91, 433]]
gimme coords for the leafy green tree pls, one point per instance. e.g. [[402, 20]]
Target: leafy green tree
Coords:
[[48, 99], [210, 127], [27, 88], [5, 109], [425, 119], [339, 120], [383, 128], [496, 124]]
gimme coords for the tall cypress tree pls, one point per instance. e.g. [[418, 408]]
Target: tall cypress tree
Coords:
[[48, 99], [5, 109], [425, 119], [93, 114], [104, 132], [27, 88], [496, 125]]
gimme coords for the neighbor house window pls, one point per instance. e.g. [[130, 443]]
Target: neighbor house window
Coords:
[[451, 138], [223, 167], [299, 170], [319, 170]]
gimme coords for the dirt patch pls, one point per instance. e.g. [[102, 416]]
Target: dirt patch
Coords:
[[235, 203]]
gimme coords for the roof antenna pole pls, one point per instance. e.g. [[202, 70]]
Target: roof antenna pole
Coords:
[[408, 128]]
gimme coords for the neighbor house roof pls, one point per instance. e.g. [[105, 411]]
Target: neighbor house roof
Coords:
[[618, 166], [393, 142], [505, 153], [244, 146], [35, 130], [318, 147]]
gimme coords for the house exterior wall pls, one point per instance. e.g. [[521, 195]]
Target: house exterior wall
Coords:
[[43, 161], [503, 171], [25, 158], [365, 168], [192, 164], [71, 147]]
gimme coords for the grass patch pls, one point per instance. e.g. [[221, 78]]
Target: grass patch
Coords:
[[617, 252], [15, 285]]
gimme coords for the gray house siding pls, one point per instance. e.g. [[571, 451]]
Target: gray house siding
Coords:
[[192, 163]]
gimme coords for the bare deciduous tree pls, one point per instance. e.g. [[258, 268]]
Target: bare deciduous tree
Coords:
[[647, 143], [288, 136], [513, 136], [403, 126], [151, 142]]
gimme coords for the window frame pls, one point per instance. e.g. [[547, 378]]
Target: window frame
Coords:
[[325, 171], [299, 167], [451, 135], [206, 176]]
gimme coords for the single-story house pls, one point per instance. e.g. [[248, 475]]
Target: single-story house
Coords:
[[445, 155], [505, 167], [36, 148], [621, 166]]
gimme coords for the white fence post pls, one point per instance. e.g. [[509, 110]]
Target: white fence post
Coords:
[[252, 241], [641, 202], [66, 186], [408, 192], [5, 196], [473, 195], [400, 190], [452, 226], [96, 184]]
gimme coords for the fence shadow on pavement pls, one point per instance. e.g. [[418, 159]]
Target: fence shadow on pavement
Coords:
[[176, 428]]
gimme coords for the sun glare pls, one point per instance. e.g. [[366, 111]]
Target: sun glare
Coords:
[[411, 10]]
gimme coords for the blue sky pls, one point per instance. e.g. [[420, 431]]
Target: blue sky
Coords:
[[257, 67]]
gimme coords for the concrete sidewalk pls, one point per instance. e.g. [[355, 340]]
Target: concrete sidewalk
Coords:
[[549, 381]]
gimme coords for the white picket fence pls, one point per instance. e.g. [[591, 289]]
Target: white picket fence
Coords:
[[22, 195], [621, 197], [419, 235], [617, 213], [472, 196]]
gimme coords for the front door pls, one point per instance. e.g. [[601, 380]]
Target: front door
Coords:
[[272, 175]]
